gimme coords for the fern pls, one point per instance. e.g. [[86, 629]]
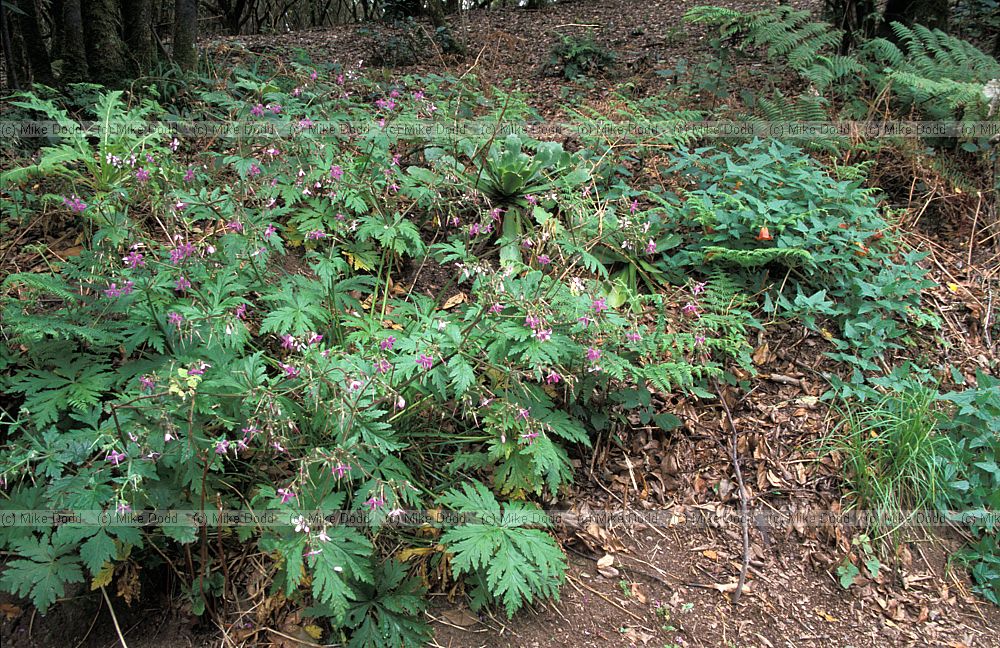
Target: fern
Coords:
[[516, 564]]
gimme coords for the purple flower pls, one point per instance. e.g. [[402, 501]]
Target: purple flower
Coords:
[[257, 111], [553, 378], [530, 436], [287, 342], [699, 339], [175, 318], [181, 252], [690, 308], [374, 502], [543, 335], [146, 383], [698, 288], [274, 108], [142, 175], [74, 203], [314, 338], [150, 159], [316, 235], [355, 385], [633, 336], [341, 469], [543, 259], [112, 291], [532, 322], [593, 354], [336, 172], [290, 371], [235, 226], [286, 495], [650, 247], [585, 320], [254, 170], [386, 344], [134, 260], [269, 230], [115, 457], [189, 175], [634, 207], [199, 369], [221, 447], [496, 308], [182, 284], [122, 508], [425, 361], [305, 123], [241, 311], [531, 199], [599, 305], [383, 366]]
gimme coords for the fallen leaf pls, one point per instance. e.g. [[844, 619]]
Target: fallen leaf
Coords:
[[710, 554], [460, 617], [455, 300], [314, 631], [637, 593], [10, 611], [826, 616]]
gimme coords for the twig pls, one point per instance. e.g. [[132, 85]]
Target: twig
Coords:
[[624, 609], [114, 619], [744, 517], [301, 641]]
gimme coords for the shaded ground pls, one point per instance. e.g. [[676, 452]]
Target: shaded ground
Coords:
[[671, 584]]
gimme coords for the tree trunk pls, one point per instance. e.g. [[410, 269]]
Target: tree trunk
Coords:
[[137, 22], [105, 49], [74, 62], [34, 46], [185, 33], [930, 13], [8, 51]]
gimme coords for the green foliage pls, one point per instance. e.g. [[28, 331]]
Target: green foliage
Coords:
[[815, 243], [578, 56], [42, 572], [388, 612], [510, 562]]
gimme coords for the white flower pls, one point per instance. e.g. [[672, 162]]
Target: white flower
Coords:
[[300, 525]]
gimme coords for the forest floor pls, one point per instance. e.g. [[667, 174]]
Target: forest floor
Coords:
[[669, 584]]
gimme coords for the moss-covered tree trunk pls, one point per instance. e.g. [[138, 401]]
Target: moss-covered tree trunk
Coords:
[[103, 42], [74, 53], [34, 46], [185, 33], [137, 21]]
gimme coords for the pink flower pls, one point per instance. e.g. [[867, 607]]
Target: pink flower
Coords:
[[221, 447], [74, 203], [593, 354], [585, 320], [496, 308], [175, 318], [287, 342], [530, 436], [300, 525], [523, 413], [181, 252], [134, 260], [382, 366], [699, 339], [650, 247], [122, 508], [182, 284], [690, 308], [634, 207], [254, 170], [315, 235], [532, 322], [531, 199], [425, 361], [290, 371], [142, 175], [274, 108], [314, 338], [305, 123], [112, 291], [257, 111], [269, 230], [543, 335], [146, 383], [698, 288], [386, 344], [114, 457], [234, 226], [241, 311], [336, 172], [553, 378], [374, 502], [286, 495], [355, 385], [314, 75], [633, 336], [341, 469], [544, 259], [189, 175], [323, 537], [174, 144], [599, 305]]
